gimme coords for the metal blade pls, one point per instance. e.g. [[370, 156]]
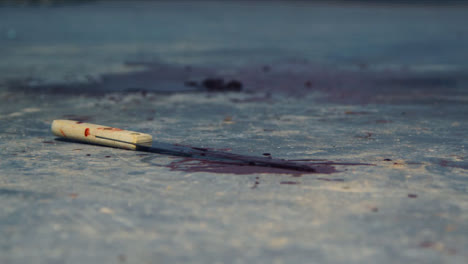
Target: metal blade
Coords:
[[204, 153]]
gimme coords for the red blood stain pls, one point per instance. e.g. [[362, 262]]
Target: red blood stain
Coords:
[[86, 132], [79, 122], [63, 133]]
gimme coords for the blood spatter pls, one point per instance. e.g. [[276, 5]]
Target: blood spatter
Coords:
[[356, 113], [289, 182], [213, 84], [367, 135], [382, 121], [218, 85], [426, 244], [256, 183], [86, 132], [330, 180]]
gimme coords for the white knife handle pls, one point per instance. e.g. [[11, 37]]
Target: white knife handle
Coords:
[[101, 135]]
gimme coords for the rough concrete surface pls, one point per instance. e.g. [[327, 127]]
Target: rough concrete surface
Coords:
[[377, 92]]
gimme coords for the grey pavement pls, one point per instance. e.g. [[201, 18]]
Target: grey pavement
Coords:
[[376, 94]]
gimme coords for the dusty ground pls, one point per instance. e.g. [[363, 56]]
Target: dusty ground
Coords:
[[381, 87]]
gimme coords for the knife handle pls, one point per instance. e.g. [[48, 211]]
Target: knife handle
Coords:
[[101, 135]]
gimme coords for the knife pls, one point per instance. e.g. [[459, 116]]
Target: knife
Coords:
[[131, 140]]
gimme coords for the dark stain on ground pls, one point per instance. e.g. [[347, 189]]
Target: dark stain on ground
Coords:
[[308, 84], [453, 164], [426, 244], [330, 180], [290, 182], [437, 246], [367, 135], [256, 183], [218, 85], [382, 121], [357, 113], [419, 81], [48, 142], [122, 258], [289, 79], [25, 194], [200, 165], [412, 195], [213, 166]]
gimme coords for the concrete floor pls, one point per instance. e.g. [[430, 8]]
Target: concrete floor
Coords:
[[381, 90]]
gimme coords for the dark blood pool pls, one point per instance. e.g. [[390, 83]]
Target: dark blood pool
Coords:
[[199, 165]]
